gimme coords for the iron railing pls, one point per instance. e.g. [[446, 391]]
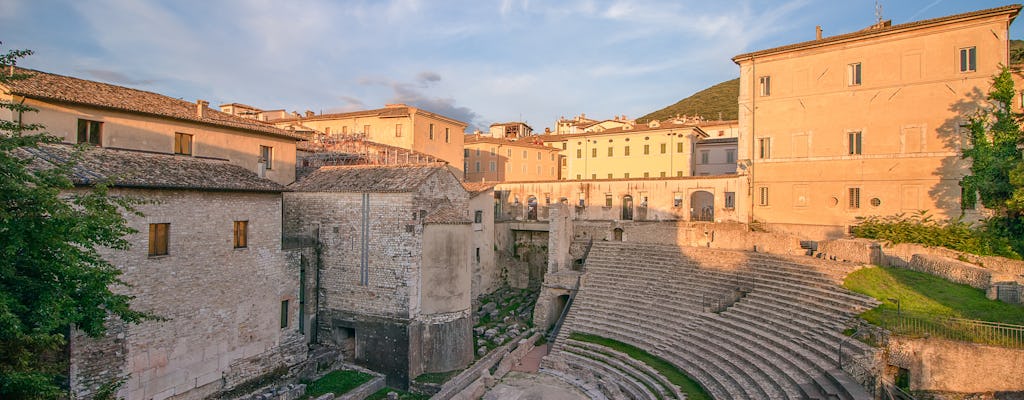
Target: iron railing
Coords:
[[968, 330]]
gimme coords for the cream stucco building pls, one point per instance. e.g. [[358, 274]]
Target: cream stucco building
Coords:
[[501, 160], [653, 150], [865, 123]]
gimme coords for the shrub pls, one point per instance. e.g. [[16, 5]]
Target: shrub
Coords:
[[922, 228]]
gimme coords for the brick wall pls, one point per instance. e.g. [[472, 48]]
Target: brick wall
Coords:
[[222, 305]]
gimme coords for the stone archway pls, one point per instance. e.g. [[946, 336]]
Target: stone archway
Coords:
[[531, 208], [627, 207], [702, 206], [617, 234]]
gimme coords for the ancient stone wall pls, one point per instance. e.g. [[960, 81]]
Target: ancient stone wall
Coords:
[[486, 276], [959, 367], [222, 305], [728, 236], [952, 270]]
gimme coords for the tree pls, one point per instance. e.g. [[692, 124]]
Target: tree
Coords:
[[52, 275], [997, 168]]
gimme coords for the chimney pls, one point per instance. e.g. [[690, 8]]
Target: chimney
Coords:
[[201, 108], [817, 32], [309, 113]]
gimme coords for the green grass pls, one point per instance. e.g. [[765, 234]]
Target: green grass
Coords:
[[437, 377], [337, 382], [709, 103], [383, 394], [690, 387], [924, 293]]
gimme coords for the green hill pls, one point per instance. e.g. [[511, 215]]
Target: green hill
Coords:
[[707, 103]]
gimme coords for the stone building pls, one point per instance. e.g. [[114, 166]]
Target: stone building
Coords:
[[395, 125], [117, 117], [486, 274], [866, 123], [207, 258], [394, 277], [488, 159]]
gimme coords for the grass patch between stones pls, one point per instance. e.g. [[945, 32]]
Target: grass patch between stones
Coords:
[[437, 377], [688, 385], [337, 382], [402, 395]]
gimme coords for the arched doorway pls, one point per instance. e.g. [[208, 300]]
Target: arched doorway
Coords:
[[627, 207], [557, 309], [531, 208], [702, 206], [617, 234]]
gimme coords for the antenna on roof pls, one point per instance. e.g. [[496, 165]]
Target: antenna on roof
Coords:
[[878, 12]]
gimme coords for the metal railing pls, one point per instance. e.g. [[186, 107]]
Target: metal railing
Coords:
[[565, 312], [968, 330]]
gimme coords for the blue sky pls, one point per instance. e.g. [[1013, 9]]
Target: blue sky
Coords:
[[477, 61]]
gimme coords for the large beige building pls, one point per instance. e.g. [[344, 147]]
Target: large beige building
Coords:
[[396, 125], [865, 123], [501, 160], [653, 150]]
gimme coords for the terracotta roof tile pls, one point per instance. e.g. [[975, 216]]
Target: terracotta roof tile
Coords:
[[447, 215], [134, 169], [1010, 9], [522, 142], [476, 188], [46, 86], [368, 178]]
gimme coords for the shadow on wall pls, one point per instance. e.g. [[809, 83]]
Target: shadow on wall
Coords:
[[948, 192]]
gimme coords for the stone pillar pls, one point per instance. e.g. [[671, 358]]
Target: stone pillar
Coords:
[[559, 238]]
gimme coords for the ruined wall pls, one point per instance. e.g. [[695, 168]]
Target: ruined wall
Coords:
[[444, 327], [486, 276], [215, 328], [730, 236], [948, 366], [951, 270]]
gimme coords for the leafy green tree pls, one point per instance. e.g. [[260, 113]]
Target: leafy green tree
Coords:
[[51, 275], [997, 166]]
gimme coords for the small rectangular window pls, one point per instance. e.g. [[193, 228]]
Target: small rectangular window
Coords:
[[854, 197], [764, 148], [730, 199], [762, 198], [593, 176], [582, 201], [609, 176], [182, 144], [158, 239], [477, 166], [664, 148], [492, 166], [677, 200], [284, 314], [608, 200], [663, 173], [477, 255], [344, 130], [647, 174], [766, 85], [611, 151], [398, 130], [89, 132], [593, 153], [679, 174], [647, 149], [579, 177], [626, 175], [430, 131], [478, 216], [730, 156], [525, 154], [579, 153], [465, 152], [705, 156], [564, 162], [679, 147], [968, 59], [478, 152], [564, 145], [853, 73], [855, 142], [241, 234], [267, 156], [625, 151], [447, 135]]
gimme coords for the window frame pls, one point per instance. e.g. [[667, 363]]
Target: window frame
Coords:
[[179, 142], [853, 195], [855, 142], [241, 234], [398, 130], [90, 132], [854, 74], [284, 313], [762, 196], [159, 239], [765, 85], [430, 131], [267, 154], [968, 60], [764, 148]]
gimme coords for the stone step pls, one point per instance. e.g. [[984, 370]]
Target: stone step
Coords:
[[622, 362]]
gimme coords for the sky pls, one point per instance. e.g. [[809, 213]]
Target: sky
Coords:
[[477, 61]]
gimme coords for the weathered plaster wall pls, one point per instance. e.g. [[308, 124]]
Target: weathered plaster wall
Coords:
[[942, 365]]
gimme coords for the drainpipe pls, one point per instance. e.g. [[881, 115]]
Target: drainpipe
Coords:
[[753, 125], [317, 250]]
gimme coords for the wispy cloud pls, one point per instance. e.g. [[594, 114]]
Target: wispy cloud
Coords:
[[115, 77]]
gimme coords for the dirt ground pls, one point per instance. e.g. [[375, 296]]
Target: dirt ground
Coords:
[[527, 386]]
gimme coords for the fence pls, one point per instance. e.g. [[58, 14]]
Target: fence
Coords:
[[967, 330]]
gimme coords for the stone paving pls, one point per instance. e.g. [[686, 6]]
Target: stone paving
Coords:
[[527, 386]]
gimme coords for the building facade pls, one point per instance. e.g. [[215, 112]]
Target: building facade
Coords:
[[395, 125], [488, 159], [865, 123], [510, 130], [652, 150]]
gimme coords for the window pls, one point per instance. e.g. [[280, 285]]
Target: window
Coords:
[[508, 153], [89, 131], [539, 169], [478, 152], [730, 199], [626, 175], [854, 197], [267, 155], [647, 149], [705, 155], [579, 176], [679, 147], [730, 156], [764, 148], [608, 200], [625, 151], [647, 174], [679, 174], [525, 154], [493, 152], [766, 85], [284, 314], [593, 176], [579, 153], [344, 130], [182, 144], [564, 146], [398, 130], [853, 74], [465, 152], [968, 59], [855, 142], [540, 156], [241, 234], [677, 200], [552, 156], [564, 162], [663, 173], [663, 148], [366, 129], [447, 135], [477, 166], [609, 176], [762, 198], [158, 239], [593, 153], [478, 216], [582, 201], [492, 166], [477, 255], [430, 132], [610, 151]]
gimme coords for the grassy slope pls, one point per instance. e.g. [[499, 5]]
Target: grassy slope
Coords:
[[337, 382], [926, 293], [690, 387], [708, 103]]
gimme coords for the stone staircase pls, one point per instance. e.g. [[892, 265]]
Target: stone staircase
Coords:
[[779, 341]]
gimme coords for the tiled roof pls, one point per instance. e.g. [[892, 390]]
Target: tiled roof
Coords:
[[395, 111], [368, 178], [447, 215], [620, 130], [134, 169], [46, 86], [1009, 9], [476, 188], [719, 140], [521, 142]]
